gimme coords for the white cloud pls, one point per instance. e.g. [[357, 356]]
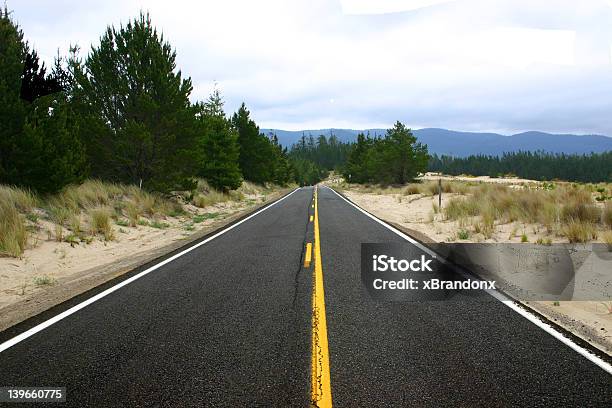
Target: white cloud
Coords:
[[466, 64], [386, 6]]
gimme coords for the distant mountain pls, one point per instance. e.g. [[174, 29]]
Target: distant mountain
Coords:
[[442, 141]]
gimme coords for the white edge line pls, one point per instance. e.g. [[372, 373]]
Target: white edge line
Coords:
[[499, 296], [28, 333]]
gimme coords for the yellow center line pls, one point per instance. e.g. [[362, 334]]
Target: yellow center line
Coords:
[[320, 394]]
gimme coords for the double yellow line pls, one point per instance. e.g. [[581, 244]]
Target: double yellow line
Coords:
[[320, 395]]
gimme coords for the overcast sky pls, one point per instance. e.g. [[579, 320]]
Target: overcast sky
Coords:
[[483, 65]]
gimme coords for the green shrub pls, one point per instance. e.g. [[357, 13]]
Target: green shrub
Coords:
[[159, 225], [463, 234]]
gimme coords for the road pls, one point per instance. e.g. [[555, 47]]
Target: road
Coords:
[[229, 324]]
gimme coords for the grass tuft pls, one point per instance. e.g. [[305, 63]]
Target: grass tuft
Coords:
[[13, 233], [607, 214], [579, 231], [100, 222]]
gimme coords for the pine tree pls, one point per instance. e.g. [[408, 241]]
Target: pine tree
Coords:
[[49, 153], [12, 110], [219, 145], [403, 156], [131, 83], [356, 167], [282, 169], [39, 144], [35, 83], [397, 158], [257, 154]]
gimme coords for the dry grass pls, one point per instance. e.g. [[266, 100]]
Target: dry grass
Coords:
[[13, 233], [79, 213], [15, 203], [133, 213], [607, 214], [205, 195], [100, 222], [579, 231], [23, 200], [607, 238], [412, 189], [579, 212], [569, 210], [211, 198]]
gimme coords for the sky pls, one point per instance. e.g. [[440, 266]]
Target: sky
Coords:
[[475, 65]]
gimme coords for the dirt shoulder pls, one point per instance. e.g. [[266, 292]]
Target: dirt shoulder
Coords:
[[417, 215], [52, 272]]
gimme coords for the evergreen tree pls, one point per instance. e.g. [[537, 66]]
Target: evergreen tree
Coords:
[[355, 170], [395, 159], [49, 153], [35, 82], [131, 83], [257, 154], [219, 145], [12, 110], [282, 168], [401, 158], [39, 144]]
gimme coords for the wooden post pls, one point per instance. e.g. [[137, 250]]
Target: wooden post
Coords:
[[440, 194]]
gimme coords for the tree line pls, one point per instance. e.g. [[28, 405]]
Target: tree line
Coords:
[[395, 158], [316, 157], [586, 168], [123, 114]]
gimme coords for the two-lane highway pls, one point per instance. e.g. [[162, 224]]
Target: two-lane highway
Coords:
[[229, 324]]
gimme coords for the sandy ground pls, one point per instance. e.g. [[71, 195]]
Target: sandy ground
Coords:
[[591, 320], [484, 179], [50, 272]]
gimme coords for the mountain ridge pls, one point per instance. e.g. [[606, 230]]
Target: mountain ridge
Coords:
[[461, 144]]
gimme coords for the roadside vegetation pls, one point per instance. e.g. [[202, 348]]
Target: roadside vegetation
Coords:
[[97, 210], [558, 211], [111, 139]]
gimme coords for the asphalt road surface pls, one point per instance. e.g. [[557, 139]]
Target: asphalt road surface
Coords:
[[229, 324]]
